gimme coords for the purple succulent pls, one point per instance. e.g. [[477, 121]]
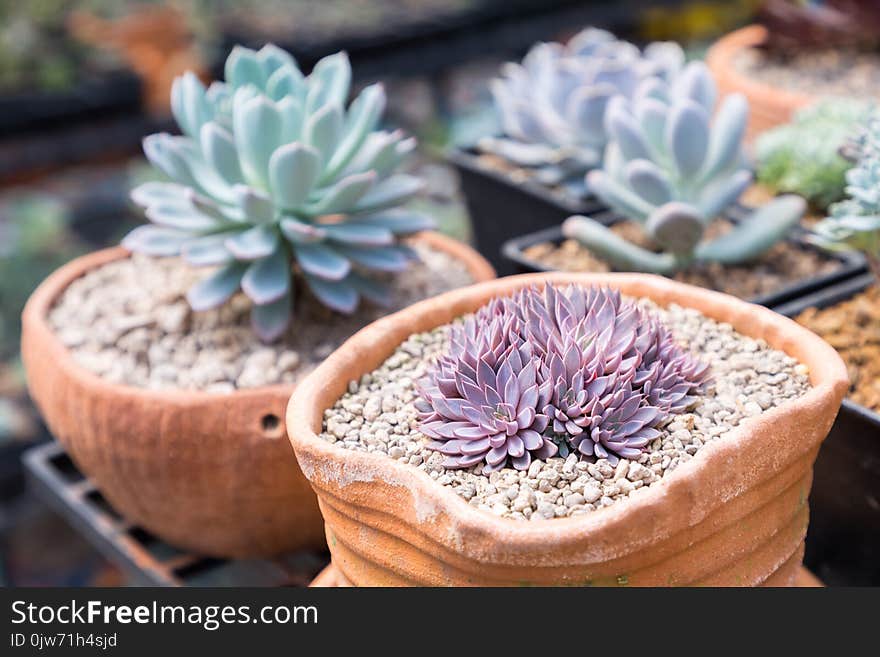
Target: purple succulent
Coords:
[[621, 425], [667, 374], [555, 369], [482, 402]]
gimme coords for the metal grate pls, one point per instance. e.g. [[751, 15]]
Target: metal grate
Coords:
[[145, 558]]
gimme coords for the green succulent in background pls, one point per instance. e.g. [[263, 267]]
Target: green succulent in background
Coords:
[[854, 223], [674, 164], [274, 177], [803, 157]]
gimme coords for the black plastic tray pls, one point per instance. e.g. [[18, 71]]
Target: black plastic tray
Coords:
[[98, 96], [502, 209], [843, 540], [148, 560], [851, 264]]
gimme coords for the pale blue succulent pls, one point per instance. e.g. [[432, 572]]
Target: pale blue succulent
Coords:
[[674, 164], [552, 106], [855, 222], [274, 180]]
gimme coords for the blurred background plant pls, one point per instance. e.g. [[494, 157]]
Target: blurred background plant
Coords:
[[803, 157]]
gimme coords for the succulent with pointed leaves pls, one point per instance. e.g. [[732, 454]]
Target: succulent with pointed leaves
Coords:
[[482, 402], [555, 371], [274, 177], [672, 167], [854, 223], [552, 106]]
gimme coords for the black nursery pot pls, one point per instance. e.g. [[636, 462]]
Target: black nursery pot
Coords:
[[850, 264], [843, 539], [502, 209]]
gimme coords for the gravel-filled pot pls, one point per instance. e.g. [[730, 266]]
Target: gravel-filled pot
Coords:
[[205, 471], [734, 514]]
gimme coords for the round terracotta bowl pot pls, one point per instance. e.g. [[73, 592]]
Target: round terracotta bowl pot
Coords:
[[211, 473], [734, 515], [769, 106]]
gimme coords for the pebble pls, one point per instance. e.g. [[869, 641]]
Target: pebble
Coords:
[[134, 311], [748, 379]]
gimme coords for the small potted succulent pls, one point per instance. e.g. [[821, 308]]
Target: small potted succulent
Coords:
[[672, 174], [848, 316], [551, 110], [568, 429], [164, 366], [797, 53], [803, 157]]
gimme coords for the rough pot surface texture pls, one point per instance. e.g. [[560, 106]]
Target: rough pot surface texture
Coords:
[[735, 514], [208, 472], [769, 105]]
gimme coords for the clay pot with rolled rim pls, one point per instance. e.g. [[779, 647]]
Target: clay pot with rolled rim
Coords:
[[769, 106], [736, 514], [211, 473]]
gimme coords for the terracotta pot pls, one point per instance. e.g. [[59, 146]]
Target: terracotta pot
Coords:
[[735, 515], [769, 106], [211, 473]]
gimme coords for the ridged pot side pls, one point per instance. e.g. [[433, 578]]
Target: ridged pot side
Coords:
[[199, 470], [734, 515], [769, 106]]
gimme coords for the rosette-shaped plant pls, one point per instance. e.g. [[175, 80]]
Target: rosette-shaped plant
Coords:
[[855, 222], [274, 178], [674, 168], [552, 106], [581, 369], [482, 402]]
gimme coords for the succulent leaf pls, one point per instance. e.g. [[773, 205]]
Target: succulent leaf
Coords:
[[253, 244], [723, 192], [621, 198], [687, 137], [728, 130], [649, 181], [618, 252], [677, 227], [764, 228], [216, 289], [322, 261], [270, 320], [268, 279], [155, 240], [293, 171], [341, 295]]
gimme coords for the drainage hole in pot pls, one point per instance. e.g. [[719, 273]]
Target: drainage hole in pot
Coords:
[[271, 425]]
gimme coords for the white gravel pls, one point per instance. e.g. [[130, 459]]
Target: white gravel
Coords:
[[129, 322], [378, 415]]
